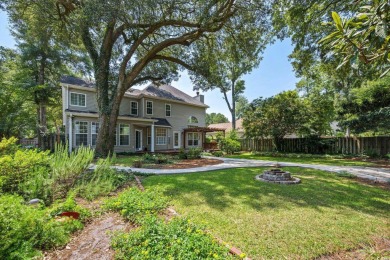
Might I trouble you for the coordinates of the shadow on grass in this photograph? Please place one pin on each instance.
(220, 189)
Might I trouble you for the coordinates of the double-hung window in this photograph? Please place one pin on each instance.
(149, 107)
(161, 136)
(81, 133)
(124, 134)
(193, 139)
(134, 108)
(77, 99)
(94, 132)
(168, 109)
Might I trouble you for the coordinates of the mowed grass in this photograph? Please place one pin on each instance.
(324, 214)
(301, 158)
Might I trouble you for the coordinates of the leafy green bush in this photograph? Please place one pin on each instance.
(67, 168)
(102, 180)
(230, 143)
(194, 153)
(217, 153)
(148, 158)
(178, 239)
(25, 229)
(182, 154)
(134, 204)
(137, 164)
(8, 146)
(69, 205)
(25, 172)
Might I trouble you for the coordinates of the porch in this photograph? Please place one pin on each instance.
(202, 131)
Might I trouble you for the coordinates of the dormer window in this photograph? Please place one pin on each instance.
(134, 108)
(192, 120)
(77, 99)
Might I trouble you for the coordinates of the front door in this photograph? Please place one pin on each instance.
(138, 140)
(176, 139)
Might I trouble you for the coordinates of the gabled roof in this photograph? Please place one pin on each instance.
(169, 92)
(163, 91)
(228, 126)
(77, 81)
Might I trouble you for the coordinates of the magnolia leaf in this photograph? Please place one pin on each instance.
(380, 30)
(337, 21)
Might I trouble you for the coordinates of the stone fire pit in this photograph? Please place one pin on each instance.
(277, 175)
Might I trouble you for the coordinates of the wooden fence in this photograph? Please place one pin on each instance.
(379, 145)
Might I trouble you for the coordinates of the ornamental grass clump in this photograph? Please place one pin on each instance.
(135, 205)
(177, 239)
(67, 168)
(102, 180)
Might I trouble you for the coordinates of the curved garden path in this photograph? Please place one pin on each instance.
(370, 173)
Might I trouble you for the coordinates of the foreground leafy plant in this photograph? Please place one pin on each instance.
(177, 239)
(25, 229)
(135, 205)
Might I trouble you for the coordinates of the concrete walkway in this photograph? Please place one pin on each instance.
(375, 174)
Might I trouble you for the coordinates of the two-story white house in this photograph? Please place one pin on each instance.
(153, 119)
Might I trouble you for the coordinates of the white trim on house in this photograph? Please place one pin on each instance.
(96, 127)
(85, 99)
(86, 114)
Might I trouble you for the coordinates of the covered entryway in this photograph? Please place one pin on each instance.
(199, 132)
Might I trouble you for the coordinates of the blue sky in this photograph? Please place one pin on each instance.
(274, 75)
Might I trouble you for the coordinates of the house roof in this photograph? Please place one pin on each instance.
(170, 92)
(76, 81)
(228, 126)
(163, 91)
(161, 122)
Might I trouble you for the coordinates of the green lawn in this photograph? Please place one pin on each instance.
(301, 158)
(324, 214)
(127, 160)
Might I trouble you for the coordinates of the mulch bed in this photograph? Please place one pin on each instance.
(185, 164)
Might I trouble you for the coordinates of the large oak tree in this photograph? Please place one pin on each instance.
(132, 42)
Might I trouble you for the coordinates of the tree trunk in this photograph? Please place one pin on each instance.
(41, 97)
(233, 111)
(106, 139)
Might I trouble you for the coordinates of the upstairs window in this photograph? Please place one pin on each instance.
(149, 107)
(168, 110)
(94, 132)
(81, 133)
(192, 120)
(134, 108)
(77, 99)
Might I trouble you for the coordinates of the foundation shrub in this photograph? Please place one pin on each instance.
(194, 153)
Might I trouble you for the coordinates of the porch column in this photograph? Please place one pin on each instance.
(70, 129)
(152, 139)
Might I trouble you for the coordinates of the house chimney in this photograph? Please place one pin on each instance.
(198, 96)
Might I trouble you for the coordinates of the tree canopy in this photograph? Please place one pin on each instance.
(131, 43)
(216, 118)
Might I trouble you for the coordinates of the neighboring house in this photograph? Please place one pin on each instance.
(228, 127)
(151, 119)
